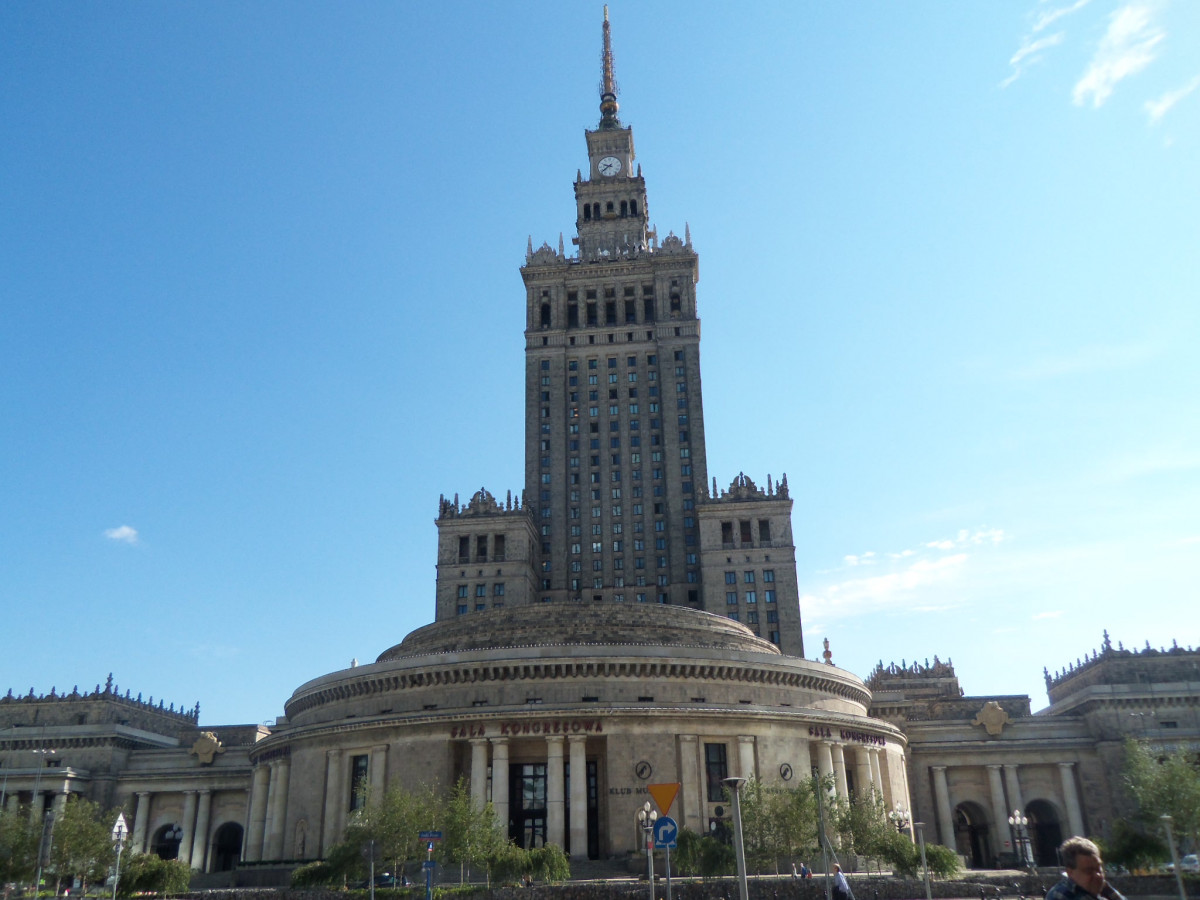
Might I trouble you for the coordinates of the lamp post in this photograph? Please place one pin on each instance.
(646, 817)
(920, 826)
(1166, 820)
(900, 818)
(120, 832)
(45, 821)
(739, 846)
(1019, 824)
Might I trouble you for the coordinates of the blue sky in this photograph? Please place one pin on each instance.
(261, 306)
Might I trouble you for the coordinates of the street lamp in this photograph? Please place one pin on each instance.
(1019, 824)
(41, 753)
(900, 817)
(920, 826)
(735, 788)
(120, 831)
(1166, 820)
(173, 835)
(646, 817)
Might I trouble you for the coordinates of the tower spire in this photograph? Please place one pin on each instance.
(608, 83)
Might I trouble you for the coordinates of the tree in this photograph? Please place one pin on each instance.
(81, 845)
(863, 825)
(18, 848)
(1169, 785)
(470, 834)
(1133, 847)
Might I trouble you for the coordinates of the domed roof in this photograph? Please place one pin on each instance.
(609, 624)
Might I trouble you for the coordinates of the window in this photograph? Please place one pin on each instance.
(461, 609)
(481, 590)
(748, 577)
(498, 589)
(716, 770)
(764, 530)
(462, 592)
(744, 525)
(769, 595)
(731, 577)
(751, 597)
(772, 616)
(731, 598)
(358, 782)
(769, 576)
(727, 538)
(752, 617)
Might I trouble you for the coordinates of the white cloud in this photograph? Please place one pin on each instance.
(1029, 53)
(123, 534)
(1128, 46)
(1053, 15)
(1086, 360)
(858, 595)
(1156, 109)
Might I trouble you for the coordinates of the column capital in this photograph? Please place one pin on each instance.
(1066, 765)
(1012, 767)
(690, 738)
(499, 741)
(192, 792)
(553, 739)
(143, 793)
(745, 738)
(477, 741)
(995, 766)
(577, 738)
(939, 768)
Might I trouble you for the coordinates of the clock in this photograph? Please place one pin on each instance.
(609, 166)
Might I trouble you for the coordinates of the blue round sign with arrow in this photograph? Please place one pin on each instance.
(665, 833)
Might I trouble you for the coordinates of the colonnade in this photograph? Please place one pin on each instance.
(557, 801)
(1004, 787)
(267, 814)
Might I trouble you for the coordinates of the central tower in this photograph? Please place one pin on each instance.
(614, 428)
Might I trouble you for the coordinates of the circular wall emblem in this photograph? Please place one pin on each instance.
(643, 770)
(785, 772)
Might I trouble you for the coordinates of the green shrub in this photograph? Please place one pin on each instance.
(145, 873)
(313, 874)
(549, 864)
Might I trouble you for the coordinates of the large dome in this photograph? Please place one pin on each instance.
(580, 624)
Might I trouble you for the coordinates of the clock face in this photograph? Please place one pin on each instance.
(609, 166)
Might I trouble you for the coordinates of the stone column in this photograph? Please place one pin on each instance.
(37, 807)
(945, 814)
(862, 772)
(1074, 813)
(908, 804)
(555, 824)
(500, 782)
(276, 826)
(825, 763)
(1000, 815)
(200, 841)
(1013, 783)
(256, 826)
(12, 803)
(377, 770)
(188, 825)
(877, 773)
(577, 746)
(141, 819)
(479, 748)
(746, 756)
(331, 818)
(839, 770)
(691, 785)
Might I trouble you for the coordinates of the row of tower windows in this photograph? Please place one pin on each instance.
(481, 548)
(593, 210)
(745, 534)
(627, 312)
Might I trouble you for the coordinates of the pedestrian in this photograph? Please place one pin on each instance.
(841, 887)
(795, 874)
(1084, 877)
(805, 871)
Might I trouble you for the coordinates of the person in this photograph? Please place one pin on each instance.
(841, 887)
(805, 871)
(1084, 876)
(795, 874)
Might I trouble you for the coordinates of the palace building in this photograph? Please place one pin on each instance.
(626, 621)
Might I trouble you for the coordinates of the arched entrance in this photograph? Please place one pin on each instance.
(1045, 831)
(226, 847)
(166, 840)
(971, 835)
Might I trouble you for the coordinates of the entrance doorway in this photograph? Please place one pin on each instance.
(527, 804)
(971, 835)
(1045, 832)
(226, 848)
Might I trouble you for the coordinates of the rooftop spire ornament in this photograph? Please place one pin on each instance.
(608, 83)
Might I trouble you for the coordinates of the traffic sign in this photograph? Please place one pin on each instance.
(664, 795)
(665, 833)
(429, 835)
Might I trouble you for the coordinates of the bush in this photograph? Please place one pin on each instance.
(905, 858)
(313, 874)
(549, 863)
(716, 858)
(507, 864)
(145, 873)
